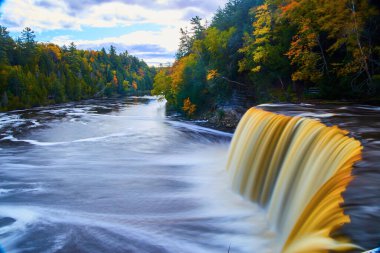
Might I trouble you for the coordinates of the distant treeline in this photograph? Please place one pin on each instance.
(34, 74)
(277, 51)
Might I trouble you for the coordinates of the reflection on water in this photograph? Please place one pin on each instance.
(119, 176)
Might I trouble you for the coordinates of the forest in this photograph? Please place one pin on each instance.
(276, 51)
(35, 74)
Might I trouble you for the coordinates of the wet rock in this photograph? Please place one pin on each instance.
(226, 118)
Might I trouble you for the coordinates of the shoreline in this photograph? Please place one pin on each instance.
(226, 118)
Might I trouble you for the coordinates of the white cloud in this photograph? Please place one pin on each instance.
(161, 39)
(22, 13)
(49, 15)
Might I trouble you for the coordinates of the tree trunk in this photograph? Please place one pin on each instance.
(364, 60)
(326, 67)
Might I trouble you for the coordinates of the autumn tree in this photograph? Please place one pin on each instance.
(329, 42)
(162, 85)
(264, 53)
(33, 74)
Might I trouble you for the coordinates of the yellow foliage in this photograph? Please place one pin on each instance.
(256, 69)
(178, 70)
(258, 46)
(212, 74)
(125, 84)
(55, 51)
(188, 107)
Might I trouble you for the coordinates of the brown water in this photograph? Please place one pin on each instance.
(296, 168)
(362, 198)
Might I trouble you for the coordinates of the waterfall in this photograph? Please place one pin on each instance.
(296, 168)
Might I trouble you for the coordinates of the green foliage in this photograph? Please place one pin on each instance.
(204, 49)
(264, 52)
(34, 74)
(162, 85)
(278, 50)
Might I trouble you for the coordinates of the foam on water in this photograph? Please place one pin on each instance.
(12, 233)
(35, 123)
(40, 143)
(10, 120)
(316, 115)
(4, 191)
(368, 107)
(138, 228)
(274, 105)
(197, 128)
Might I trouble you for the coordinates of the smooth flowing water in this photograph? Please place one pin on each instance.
(297, 168)
(362, 197)
(121, 176)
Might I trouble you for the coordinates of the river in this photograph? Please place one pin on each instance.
(119, 175)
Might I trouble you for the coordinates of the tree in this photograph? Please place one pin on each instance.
(188, 107)
(329, 42)
(28, 47)
(162, 85)
(197, 28)
(27, 38)
(264, 52)
(33, 74)
(306, 51)
(6, 46)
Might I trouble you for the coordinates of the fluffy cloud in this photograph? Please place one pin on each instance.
(74, 14)
(52, 15)
(151, 46)
(157, 5)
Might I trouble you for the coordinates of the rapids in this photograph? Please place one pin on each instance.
(119, 175)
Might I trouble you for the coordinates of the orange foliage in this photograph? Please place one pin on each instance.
(290, 6)
(134, 85)
(94, 53)
(212, 74)
(114, 80)
(188, 107)
(177, 73)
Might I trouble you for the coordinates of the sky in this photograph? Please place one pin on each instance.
(147, 29)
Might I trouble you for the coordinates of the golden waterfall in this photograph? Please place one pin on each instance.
(296, 168)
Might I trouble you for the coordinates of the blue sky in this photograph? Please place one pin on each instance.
(147, 29)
